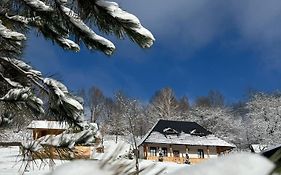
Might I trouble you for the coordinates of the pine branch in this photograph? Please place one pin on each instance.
(9, 34)
(110, 18)
(38, 5)
(90, 38)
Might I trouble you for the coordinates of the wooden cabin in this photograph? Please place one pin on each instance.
(273, 153)
(257, 148)
(181, 142)
(42, 128)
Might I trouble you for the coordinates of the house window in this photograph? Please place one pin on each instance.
(153, 151)
(165, 152)
(200, 153)
(176, 153)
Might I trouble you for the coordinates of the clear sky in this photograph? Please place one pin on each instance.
(225, 45)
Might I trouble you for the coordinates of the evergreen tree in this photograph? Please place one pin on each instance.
(65, 22)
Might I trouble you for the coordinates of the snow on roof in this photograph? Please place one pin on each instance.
(271, 150)
(170, 131)
(190, 133)
(44, 124)
(187, 139)
(257, 148)
(181, 126)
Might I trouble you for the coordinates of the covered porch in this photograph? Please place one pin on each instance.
(182, 153)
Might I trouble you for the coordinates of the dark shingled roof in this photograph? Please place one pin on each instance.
(181, 126)
(271, 151)
(182, 133)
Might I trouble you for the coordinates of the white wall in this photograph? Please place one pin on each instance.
(192, 150)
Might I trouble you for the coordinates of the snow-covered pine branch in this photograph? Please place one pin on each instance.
(69, 44)
(91, 39)
(9, 34)
(38, 5)
(62, 103)
(129, 22)
(22, 19)
(66, 24)
(24, 95)
(62, 21)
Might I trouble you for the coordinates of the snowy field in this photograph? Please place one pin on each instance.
(10, 163)
(245, 164)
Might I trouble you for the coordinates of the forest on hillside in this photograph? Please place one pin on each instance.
(254, 120)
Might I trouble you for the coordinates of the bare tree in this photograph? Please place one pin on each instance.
(163, 105)
(132, 113)
(216, 98)
(202, 101)
(96, 103)
(115, 116)
(184, 106)
(213, 99)
(219, 121)
(264, 118)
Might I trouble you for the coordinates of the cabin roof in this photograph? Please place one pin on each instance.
(183, 133)
(257, 148)
(271, 151)
(180, 126)
(44, 124)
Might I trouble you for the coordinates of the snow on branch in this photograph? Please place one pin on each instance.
(69, 44)
(11, 82)
(25, 95)
(67, 139)
(9, 34)
(56, 86)
(91, 39)
(22, 67)
(61, 101)
(22, 19)
(38, 5)
(130, 22)
(16, 94)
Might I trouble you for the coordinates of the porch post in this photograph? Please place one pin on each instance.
(171, 151)
(186, 149)
(208, 151)
(145, 151)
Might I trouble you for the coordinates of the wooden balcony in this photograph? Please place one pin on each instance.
(79, 152)
(179, 160)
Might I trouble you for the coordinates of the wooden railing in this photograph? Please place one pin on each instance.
(177, 159)
(79, 152)
(197, 160)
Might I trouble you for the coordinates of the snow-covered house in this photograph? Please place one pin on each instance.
(257, 148)
(181, 142)
(42, 128)
(64, 145)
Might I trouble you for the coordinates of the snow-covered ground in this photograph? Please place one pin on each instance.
(245, 164)
(11, 164)
(123, 144)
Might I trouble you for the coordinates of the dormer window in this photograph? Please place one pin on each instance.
(170, 131)
(195, 132)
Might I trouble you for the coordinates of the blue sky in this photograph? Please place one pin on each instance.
(231, 46)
